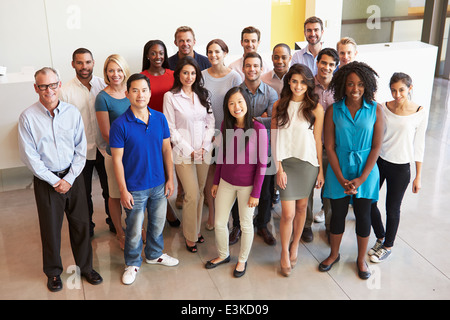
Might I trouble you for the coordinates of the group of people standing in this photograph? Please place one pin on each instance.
(234, 134)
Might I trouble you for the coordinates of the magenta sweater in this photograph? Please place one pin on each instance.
(244, 167)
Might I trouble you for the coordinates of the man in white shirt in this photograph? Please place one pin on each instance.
(313, 29)
(250, 40)
(281, 59)
(81, 92)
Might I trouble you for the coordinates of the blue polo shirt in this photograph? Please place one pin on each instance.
(142, 156)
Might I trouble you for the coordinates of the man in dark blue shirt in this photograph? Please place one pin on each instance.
(185, 41)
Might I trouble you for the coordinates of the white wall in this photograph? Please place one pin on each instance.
(46, 32)
(38, 33)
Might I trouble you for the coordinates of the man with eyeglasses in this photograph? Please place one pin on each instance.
(52, 144)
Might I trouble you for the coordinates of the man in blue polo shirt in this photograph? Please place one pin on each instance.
(142, 158)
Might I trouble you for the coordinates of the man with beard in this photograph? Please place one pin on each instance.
(81, 92)
(313, 28)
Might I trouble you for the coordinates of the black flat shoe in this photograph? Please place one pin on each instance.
(239, 274)
(364, 275)
(174, 223)
(93, 277)
(54, 284)
(325, 267)
(212, 265)
(191, 249)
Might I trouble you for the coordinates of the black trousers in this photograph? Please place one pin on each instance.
(264, 206)
(397, 178)
(51, 207)
(99, 165)
(361, 208)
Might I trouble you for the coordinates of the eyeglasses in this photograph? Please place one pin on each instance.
(44, 87)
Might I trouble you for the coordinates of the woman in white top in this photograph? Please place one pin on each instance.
(218, 80)
(297, 151)
(191, 123)
(403, 143)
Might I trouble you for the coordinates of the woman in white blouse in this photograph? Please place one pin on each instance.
(191, 123)
(403, 143)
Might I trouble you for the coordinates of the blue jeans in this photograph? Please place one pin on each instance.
(155, 202)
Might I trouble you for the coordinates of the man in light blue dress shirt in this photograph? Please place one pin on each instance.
(313, 29)
(52, 144)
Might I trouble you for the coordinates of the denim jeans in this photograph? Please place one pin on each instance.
(155, 202)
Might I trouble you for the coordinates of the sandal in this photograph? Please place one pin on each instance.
(200, 239)
(192, 249)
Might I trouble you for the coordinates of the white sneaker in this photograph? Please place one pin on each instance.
(130, 274)
(319, 217)
(378, 244)
(165, 260)
(381, 255)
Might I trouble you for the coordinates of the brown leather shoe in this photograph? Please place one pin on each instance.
(267, 236)
(307, 235)
(234, 235)
(179, 201)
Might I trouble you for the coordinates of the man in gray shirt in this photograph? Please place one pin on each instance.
(262, 98)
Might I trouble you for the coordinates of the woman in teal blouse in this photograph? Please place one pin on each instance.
(353, 136)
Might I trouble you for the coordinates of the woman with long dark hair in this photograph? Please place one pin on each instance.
(191, 123)
(155, 67)
(240, 170)
(297, 122)
(403, 143)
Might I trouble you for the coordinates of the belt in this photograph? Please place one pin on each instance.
(62, 173)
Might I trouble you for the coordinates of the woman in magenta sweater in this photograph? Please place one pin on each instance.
(240, 170)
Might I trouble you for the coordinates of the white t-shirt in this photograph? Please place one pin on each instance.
(404, 136)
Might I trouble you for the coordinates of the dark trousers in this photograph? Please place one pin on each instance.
(361, 208)
(51, 207)
(99, 165)
(397, 178)
(264, 206)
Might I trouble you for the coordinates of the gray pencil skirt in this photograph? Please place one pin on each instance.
(301, 178)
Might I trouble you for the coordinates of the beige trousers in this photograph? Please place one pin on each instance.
(225, 198)
(193, 178)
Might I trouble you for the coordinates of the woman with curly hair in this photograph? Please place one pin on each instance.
(353, 135)
(297, 122)
(191, 123)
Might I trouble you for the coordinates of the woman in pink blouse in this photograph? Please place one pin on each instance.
(240, 170)
(191, 123)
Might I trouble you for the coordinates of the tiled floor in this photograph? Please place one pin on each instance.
(419, 267)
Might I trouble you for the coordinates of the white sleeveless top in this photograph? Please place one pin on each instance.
(296, 139)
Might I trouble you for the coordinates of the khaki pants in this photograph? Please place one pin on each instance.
(226, 196)
(193, 178)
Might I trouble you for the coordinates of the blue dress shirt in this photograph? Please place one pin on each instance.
(50, 144)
